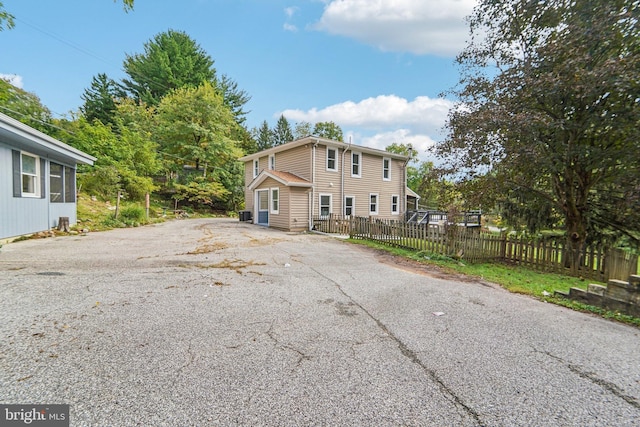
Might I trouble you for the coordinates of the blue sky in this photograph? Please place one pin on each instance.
(374, 67)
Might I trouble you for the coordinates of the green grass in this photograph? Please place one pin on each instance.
(97, 215)
(513, 278)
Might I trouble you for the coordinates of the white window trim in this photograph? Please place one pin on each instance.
(320, 196)
(256, 168)
(377, 203)
(359, 174)
(353, 206)
(388, 170)
(397, 205)
(272, 162)
(272, 199)
(335, 160)
(37, 176)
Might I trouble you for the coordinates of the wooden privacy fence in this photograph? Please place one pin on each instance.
(472, 245)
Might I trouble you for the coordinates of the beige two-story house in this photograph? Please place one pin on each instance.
(287, 186)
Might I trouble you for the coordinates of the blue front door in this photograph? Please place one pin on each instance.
(263, 206)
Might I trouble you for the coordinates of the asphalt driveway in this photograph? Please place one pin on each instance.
(217, 322)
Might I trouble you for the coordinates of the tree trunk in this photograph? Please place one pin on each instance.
(576, 237)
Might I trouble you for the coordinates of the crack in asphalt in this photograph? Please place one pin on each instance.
(301, 355)
(412, 356)
(608, 386)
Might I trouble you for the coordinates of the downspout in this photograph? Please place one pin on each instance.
(404, 188)
(344, 152)
(313, 183)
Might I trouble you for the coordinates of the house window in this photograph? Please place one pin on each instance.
(355, 164)
(373, 204)
(256, 168)
(349, 206)
(62, 184)
(56, 183)
(272, 162)
(325, 204)
(386, 169)
(395, 205)
(331, 159)
(275, 200)
(30, 175)
(69, 185)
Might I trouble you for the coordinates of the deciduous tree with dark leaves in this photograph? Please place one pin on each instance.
(550, 108)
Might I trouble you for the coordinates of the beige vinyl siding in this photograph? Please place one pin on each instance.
(371, 182)
(296, 161)
(281, 219)
(328, 182)
(298, 208)
(248, 179)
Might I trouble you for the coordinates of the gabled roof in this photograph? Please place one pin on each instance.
(14, 132)
(285, 178)
(324, 141)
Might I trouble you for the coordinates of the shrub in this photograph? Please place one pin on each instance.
(133, 215)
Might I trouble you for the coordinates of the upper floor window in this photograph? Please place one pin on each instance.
(272, 162)
(331, 159)
(256, 168)
(386, 169)
(356, 159)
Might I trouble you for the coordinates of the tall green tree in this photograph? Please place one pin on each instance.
(549, 106)
(263, 136)
(170, 61)
(196, 132)
(25, 107)
(328, 130)
(100, 99)
(302, 129)
(234, 98)
(282, 133)
(194, 126)
(126, 158)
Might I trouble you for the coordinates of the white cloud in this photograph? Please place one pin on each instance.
(422, 143)
(290, 11)
(384, 111)
(416, 26)
(380, 121)
(14, 79)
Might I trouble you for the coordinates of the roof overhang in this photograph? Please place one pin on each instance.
(281, 178)
(412, 193)
(315, 140)
(18, 134)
